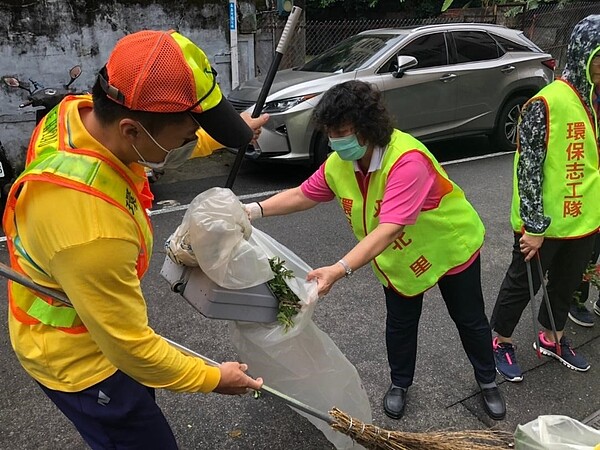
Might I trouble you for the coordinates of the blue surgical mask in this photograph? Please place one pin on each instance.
(348, 148)
(174, 158)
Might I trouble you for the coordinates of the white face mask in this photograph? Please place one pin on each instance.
(175, 157)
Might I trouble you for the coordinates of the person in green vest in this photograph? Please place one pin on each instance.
(76, 220)
(413, 225)
(554, 214)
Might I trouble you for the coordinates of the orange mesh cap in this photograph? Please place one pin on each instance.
(165, 72)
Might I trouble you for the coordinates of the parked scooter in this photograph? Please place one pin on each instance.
(44, 99)
(7, 177)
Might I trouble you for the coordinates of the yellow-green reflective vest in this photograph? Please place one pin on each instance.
(441, 239)
(88, 171)
(571, 184)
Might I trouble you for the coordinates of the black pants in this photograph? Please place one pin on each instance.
(564, 260)
(584, 287)
(116, 414)
(463, 297)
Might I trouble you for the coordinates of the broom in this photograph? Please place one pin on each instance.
(374, 437)
(369, 436)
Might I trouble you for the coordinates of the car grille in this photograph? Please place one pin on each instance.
(240, 105)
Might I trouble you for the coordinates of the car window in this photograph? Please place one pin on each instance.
(430, 51)
(351, 53)
(510, 46)
(475, 46)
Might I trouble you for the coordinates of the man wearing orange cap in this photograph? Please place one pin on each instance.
(76, 221)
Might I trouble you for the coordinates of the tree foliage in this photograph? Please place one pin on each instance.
(529, 4)
(336, 9)
(417, 8)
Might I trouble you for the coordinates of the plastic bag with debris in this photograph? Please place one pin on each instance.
(214, 235)
(302, 361)
(554, 432)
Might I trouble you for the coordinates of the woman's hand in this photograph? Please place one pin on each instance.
(326, 277)
(529, 245)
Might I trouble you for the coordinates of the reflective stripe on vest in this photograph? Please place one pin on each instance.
(441, 239)
(85, 171)
(571, 183)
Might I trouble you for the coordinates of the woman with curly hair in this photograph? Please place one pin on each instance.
(413, 224)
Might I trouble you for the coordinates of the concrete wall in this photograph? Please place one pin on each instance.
(43, 40)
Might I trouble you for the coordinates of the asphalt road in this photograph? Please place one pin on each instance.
(444, 394)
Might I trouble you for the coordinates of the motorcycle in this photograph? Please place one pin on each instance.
(7, 176)
(42, 98)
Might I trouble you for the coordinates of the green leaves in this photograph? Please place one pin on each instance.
(289, 303)
(591, 276)
(528, 4)
(447, 4)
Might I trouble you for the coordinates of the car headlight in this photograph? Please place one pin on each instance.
(284, 104)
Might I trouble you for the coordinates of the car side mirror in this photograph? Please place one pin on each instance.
(404, 63)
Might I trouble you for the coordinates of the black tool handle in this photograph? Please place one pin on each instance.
(290, 25)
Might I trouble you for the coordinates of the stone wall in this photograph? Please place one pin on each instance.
(43, 40)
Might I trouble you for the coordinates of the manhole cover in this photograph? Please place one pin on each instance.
(593, 420)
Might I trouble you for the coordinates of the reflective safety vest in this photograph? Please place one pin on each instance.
(442, 238)
(571, 186)
(53, 160)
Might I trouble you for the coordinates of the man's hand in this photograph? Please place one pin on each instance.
(530, 245)
(255, 124)
(234, 380)
(326, 277)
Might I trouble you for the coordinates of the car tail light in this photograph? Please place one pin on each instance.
(550, 63)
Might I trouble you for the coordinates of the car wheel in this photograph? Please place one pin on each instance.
(320, 150)
(505, 134)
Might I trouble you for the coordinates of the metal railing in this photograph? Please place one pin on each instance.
(549, 26)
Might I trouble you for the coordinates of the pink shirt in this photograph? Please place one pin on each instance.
(412, 186)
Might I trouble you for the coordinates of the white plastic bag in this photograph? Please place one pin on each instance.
(303, 363)
(213, 235)
(554, 432)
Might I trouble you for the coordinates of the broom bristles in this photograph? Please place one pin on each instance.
(374, 437)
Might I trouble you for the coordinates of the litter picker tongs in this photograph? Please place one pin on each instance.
(547, 302)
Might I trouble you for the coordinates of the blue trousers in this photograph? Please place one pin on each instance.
(464, 300)
(118, 413)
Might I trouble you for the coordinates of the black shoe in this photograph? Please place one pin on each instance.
(394, 402)
(493, 402)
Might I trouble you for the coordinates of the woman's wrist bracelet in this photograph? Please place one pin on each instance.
(346, 267)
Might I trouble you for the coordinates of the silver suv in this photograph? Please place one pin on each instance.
(438, 81)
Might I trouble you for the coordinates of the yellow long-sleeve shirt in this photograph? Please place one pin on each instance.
(89, 250)
(206, 145)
